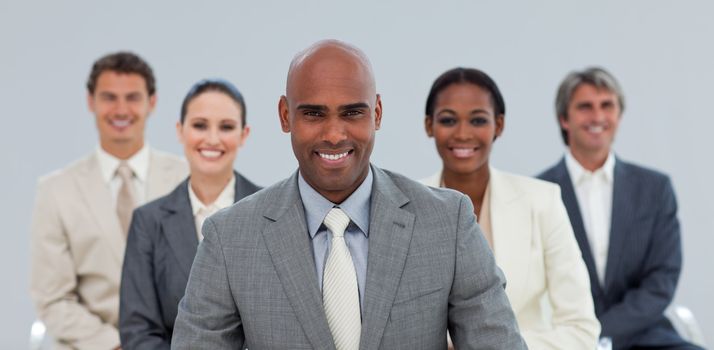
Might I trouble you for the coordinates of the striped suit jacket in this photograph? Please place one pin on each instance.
(644, 257)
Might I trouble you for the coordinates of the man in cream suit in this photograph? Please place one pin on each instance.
(342, 254)
(82, 211)
(624, 217)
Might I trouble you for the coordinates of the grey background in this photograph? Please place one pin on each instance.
(661, 51)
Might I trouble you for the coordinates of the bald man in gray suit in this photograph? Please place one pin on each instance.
(262, 276)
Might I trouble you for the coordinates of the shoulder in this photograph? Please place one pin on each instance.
(642, 173)
(423, 197)
(250, 209)
(529, 185)
(554, 173)
(162, 158)
(61, 178)
(246, 184)
(542, 197)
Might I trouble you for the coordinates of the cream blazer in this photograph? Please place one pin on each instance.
(77, 250)
(547, 281)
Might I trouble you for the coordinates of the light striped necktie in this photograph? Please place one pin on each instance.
(340, 295)
(126, 200)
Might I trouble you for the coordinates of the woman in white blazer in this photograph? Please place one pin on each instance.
(523, 218)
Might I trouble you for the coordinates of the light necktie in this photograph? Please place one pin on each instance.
(126, 201)
(340, 295)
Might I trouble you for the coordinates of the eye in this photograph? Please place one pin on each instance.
(353, 113)
(134, 98)
(312, 113)
(446, 121)
(228, 127)
(478, 121)
(199, 125)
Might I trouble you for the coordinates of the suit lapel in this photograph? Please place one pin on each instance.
(621, 214)
(576, 220)
(99, 202)
(179, 226)
(289, 246)
(390, 233)
(511, 223)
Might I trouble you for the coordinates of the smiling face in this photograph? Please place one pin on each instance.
(121, 104)
(464, 127)
(592, 120)
(211, 134)
(331, 111)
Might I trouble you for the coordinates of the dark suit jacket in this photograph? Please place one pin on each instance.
(160, 249)
(644, 257)
(254, 283)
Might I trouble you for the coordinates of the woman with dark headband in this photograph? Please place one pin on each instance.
(165, 233)
(523, 219)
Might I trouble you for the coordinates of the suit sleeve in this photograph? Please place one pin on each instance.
(641, 307)
(480, 316)
(574, 325)
(141, 325)
(208, 317)
(53, 281)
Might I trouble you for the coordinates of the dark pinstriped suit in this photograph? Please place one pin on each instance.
(644, 258)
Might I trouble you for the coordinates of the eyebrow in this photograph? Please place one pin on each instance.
(358, 105)
(477, 110)
(321, 108)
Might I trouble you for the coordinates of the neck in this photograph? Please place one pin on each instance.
(123, 150)
(590, 160)
(471, 184)
(208, 187)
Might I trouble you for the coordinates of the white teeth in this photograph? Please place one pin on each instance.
(333, 156)
(463, 152)
(596, 128)
(120, 123)
(210, 154)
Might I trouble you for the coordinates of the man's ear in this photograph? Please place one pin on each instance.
(283, 114)
(152, 103)
(563, 121)
(378, 113)
(90, 102)
(429, 125)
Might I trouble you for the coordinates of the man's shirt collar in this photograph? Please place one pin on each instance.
(356, 206)
(139, 163)
(578, 174)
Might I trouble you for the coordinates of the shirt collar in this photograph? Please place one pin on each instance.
(139, 163)
(356, 206)
(225, 199)
(578, 173)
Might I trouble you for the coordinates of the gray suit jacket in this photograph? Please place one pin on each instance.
(159, 251)
(253, 282)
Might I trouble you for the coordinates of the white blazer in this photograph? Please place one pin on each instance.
(78, 249)
(547, 281)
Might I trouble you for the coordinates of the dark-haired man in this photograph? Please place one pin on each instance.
(82, 212)
(624, 217)
(343, 255)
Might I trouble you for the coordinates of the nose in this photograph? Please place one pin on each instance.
(213, 136)
(462, 132)
(122, 108)
(334, 131)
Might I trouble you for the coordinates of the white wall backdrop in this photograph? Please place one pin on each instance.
(661, 51)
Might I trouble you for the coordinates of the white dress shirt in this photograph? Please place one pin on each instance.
(593, 190)
(139, 164)
(202, 211)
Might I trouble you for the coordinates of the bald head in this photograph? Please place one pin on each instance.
(331, 110)
(330, 59)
